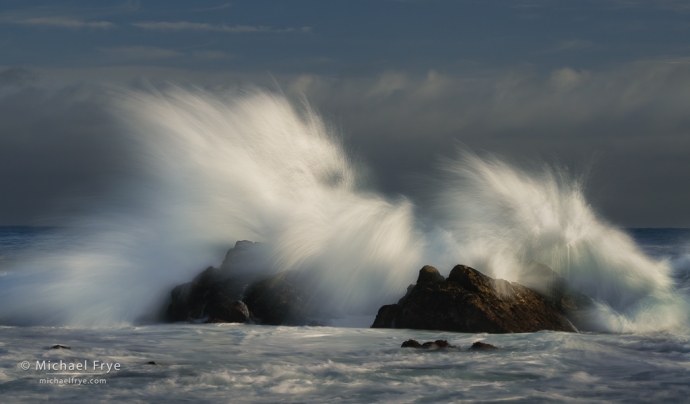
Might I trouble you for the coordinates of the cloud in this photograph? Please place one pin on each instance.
(129, 53)
(388, 83)
(633, 117)
(201, 26)
(220, 7)
(211, 55)
(62, 22)
(570, 45)
(151, 53)
(16, 76)
(58, 145)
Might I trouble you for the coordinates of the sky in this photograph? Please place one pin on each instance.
(602, 87)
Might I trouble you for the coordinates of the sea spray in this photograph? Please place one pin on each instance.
(210, 169)
(504, 218)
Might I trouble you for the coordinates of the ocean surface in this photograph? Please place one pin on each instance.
(232, 363)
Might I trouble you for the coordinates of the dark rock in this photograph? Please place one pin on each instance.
(429, 274)
(469, 278)
(280, 299)
(215, 293)
(386, 316)
(438, 344)
(480, 346)
(208, 295)
(245, 287)
(246, 256)
(214, 321)
(152, 363)
(553, 288)
(411, 343)
(407, 293)
(469, 301)
(58, 346)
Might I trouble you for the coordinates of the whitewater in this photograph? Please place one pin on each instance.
(211, 169)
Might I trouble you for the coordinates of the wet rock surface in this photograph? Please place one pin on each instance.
(386, 316)
(438, 344)
(280, 299)
(241, 290)
(481, 346)
(245, 289)
(210, 294)
(554, 289)
(411, 343)
(469, 301)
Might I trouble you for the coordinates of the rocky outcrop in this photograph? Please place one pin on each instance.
(554, 289)
(280, 299)
(469, 301)
(429, 274)
(242, 289)
(210, 294)
(386, 316)
(216, 293)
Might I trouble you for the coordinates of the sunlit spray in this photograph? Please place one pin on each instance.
(211, 169)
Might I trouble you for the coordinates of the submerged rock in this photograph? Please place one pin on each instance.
(411, 343)
(480, 346)
(469, 301)
(58, 346)
(438, 344)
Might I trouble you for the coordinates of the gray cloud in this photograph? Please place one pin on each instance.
(16, 76)
(129, 53)
(570, 45)
(63, 22)
(627, 127)
(58, 151)
(200, 26)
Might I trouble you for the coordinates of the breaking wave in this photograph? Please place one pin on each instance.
(211, 169)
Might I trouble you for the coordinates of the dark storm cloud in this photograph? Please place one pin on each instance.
(197, 26)
(56, 146)
(628, 127)
(16, 76)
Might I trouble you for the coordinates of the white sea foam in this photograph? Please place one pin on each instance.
(249, 364)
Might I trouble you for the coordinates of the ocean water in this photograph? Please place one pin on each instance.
(210, 169)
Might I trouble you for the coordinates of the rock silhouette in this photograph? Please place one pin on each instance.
(242, 289)
(469, 301)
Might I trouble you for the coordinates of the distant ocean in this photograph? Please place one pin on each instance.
(232, 363)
